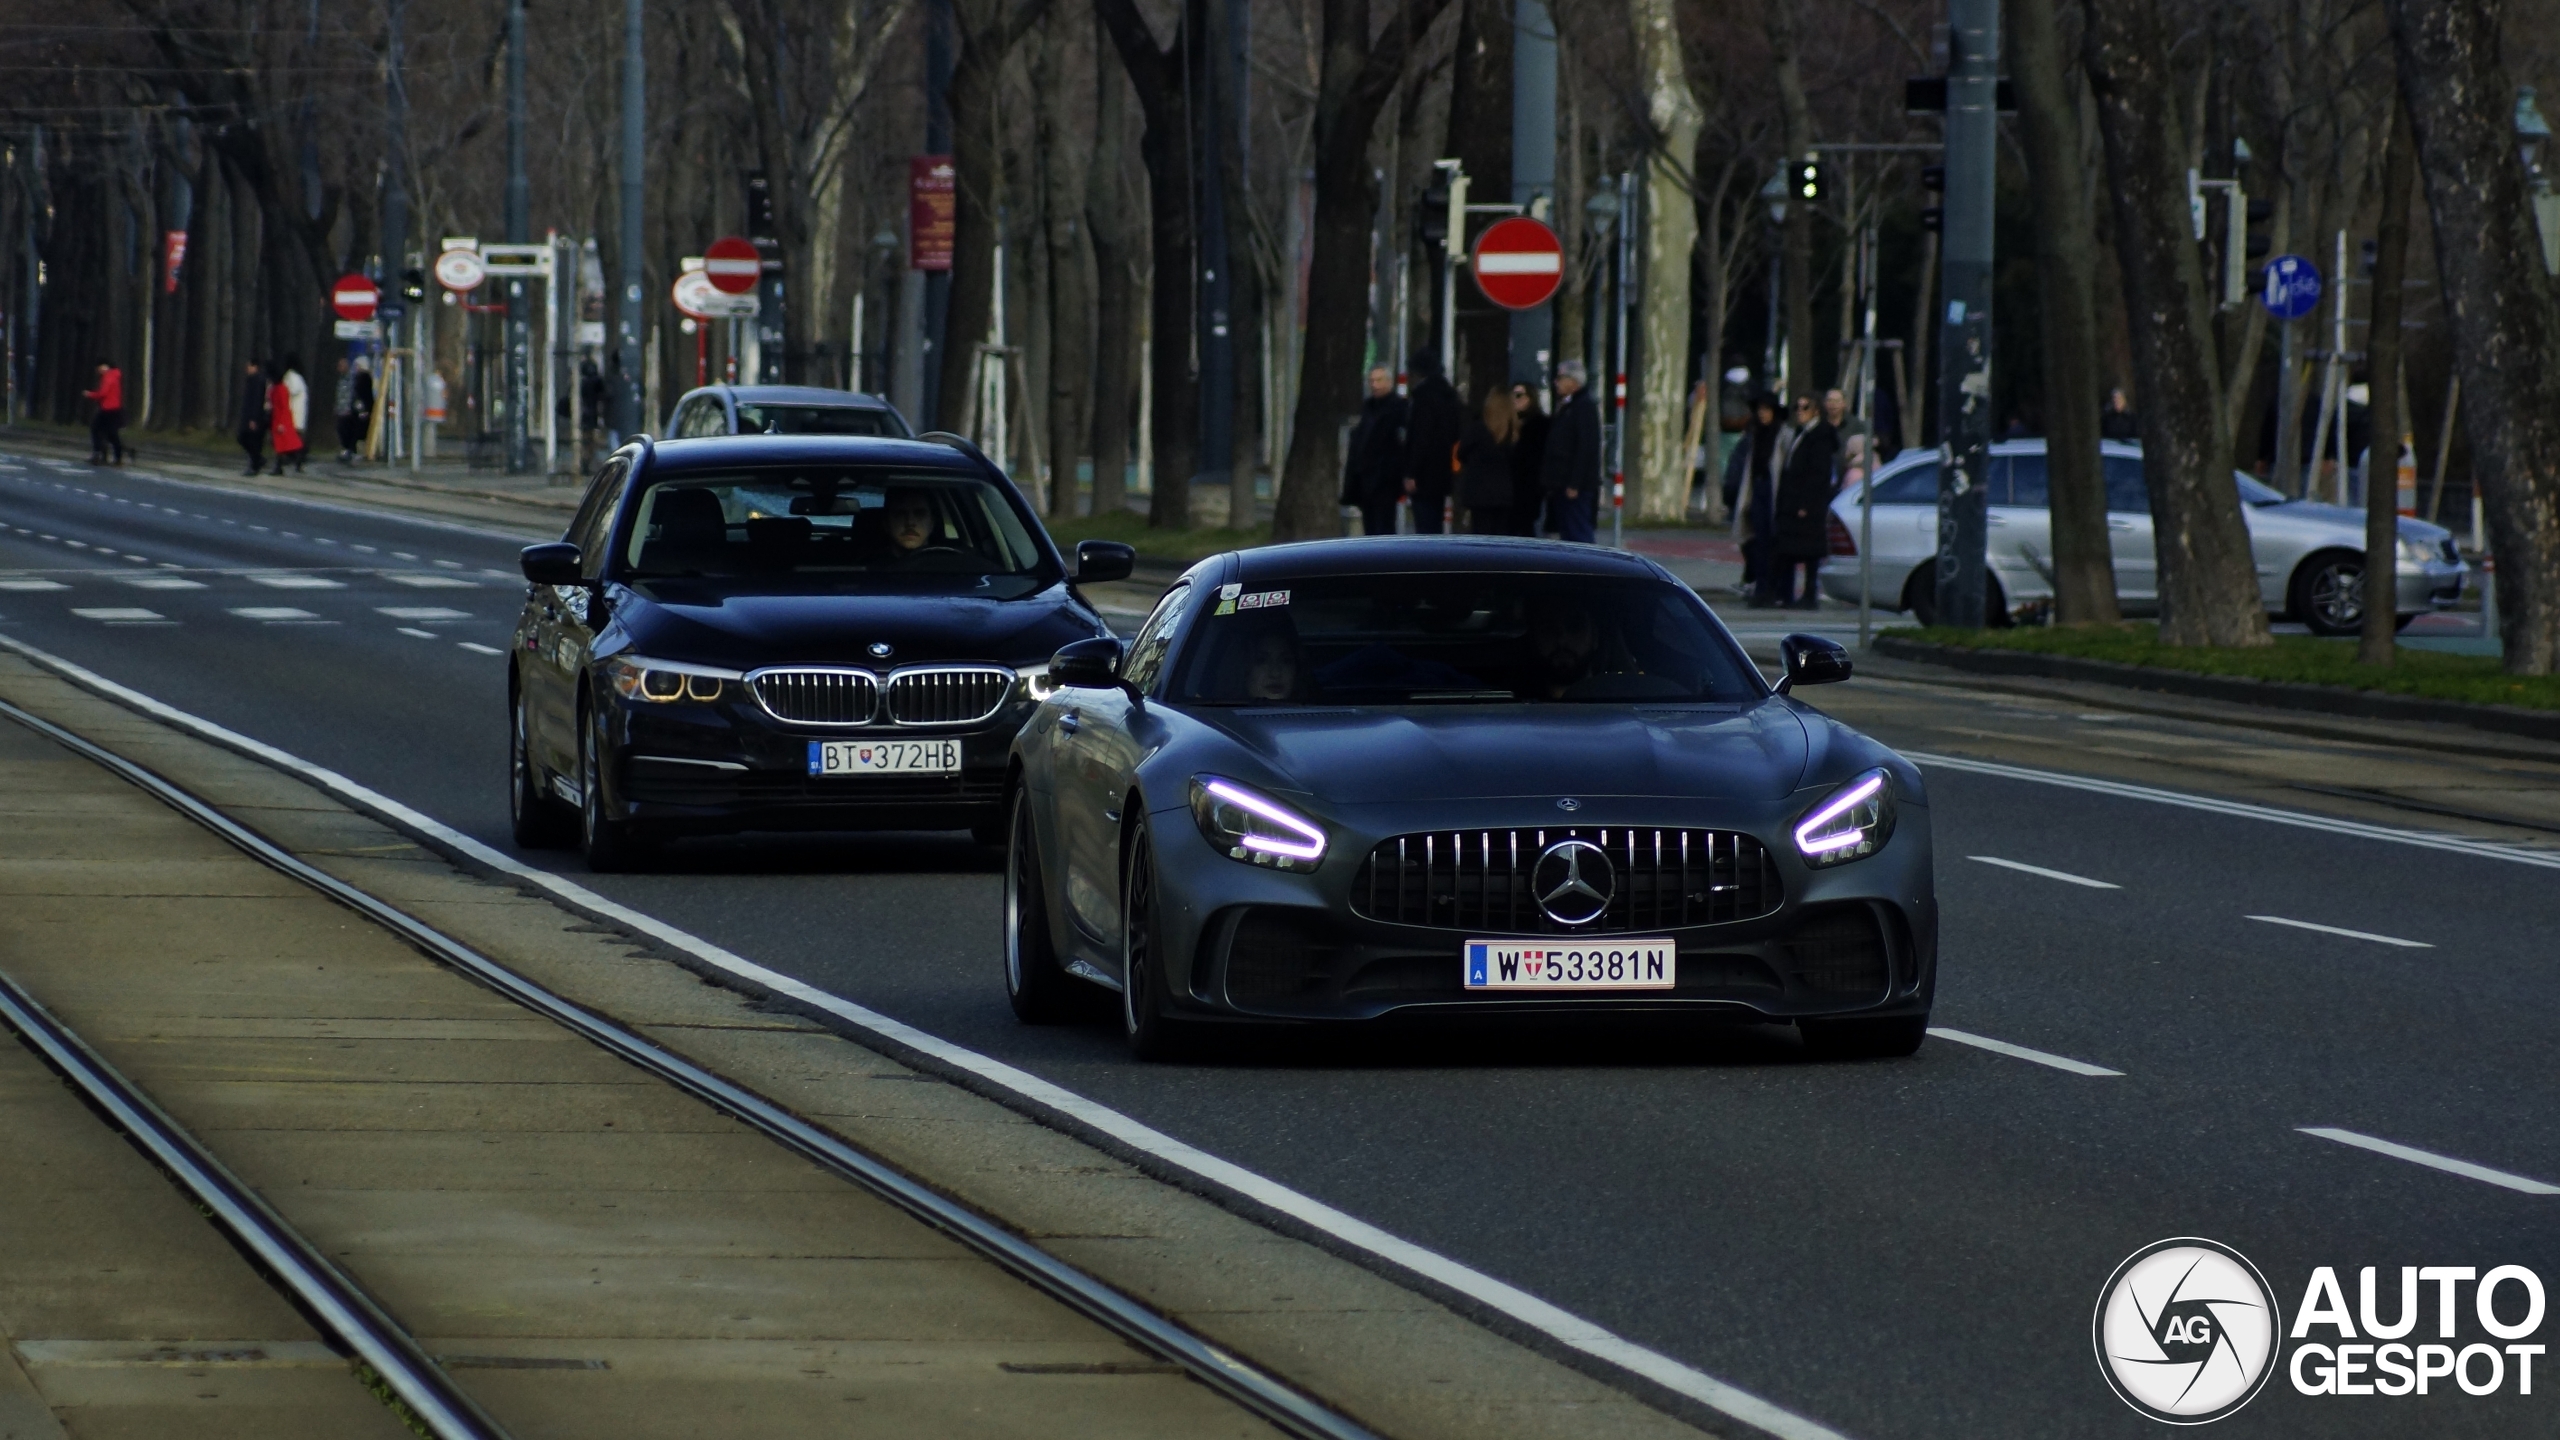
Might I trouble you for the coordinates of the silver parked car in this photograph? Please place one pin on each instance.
(2310, 556)
(782, 410)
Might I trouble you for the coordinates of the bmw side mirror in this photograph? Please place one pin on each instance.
(1087, 664)
(1811, 660)
(1100, 560)
(553, 564)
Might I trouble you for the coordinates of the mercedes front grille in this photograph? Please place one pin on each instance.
(817, 697)
(1479, 880)
(957, 695)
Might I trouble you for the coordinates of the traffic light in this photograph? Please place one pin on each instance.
(1933, 180)
(413, 284)
(1933, 177)
(1809, 180)
(1431, 212)
(1933, 217)
(2261, 213)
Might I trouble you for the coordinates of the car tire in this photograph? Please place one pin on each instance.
(610, 846)
(2321, 589)
(1864, 1039)
(1039, 989)
(539, 821)
(1920, 597)
(1151, 1033)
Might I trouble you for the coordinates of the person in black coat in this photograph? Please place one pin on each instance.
(1751, 486)
(1528, 458)
(1431, 442)
(1373, 473)
(253, 418)
(1571, 470)
(1484, 465)
(1803, 534)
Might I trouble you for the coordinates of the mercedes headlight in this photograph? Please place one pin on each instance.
(1254, 828)
(664, 682)
(1851, 823)
(1036, 683)
(2417, 554)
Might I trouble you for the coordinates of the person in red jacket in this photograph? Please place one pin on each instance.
(284, 434)
(105, 427)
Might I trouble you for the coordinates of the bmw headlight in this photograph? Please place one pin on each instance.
(1254, 828)
(1036, 684)
(1851, 823)
(664, 682)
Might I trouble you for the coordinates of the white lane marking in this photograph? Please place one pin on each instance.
(1552, 1320)
(2064, 876)
(2457, 844)
(161, 582)
(421, 612)
(137, 559)
(448, 564)
(272, 613)
(421, 634)
(13, 583)
(2431, 1160)
(428, 581)
(362, 549)
(289, 581)
(479, 649)
(2350, 934)
(118, 614)
(322, 540)
(402, 555)
(2021, 1052)
(76, 545)
(260, 528)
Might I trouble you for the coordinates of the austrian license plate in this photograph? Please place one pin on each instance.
(884, 757)
(1544, 965)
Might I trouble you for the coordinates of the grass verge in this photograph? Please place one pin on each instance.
(2293, 659)
(1130, 528)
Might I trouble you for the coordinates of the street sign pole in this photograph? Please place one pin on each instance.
(2291, 291)
(627, 397)
(1964, 332)
(1618, 379)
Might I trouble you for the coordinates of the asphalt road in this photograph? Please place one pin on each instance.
(1893, 1249)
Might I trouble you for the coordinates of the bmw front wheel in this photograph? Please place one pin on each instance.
(1040, 991)
(532, 813)
(609, 844)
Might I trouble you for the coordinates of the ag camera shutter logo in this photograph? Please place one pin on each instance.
(2186, 1330)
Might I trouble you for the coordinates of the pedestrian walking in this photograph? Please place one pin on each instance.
(364, 405)
(1484, 464)
(284, 426)
(2117, 421)
(253, 417)
(105, 427)
(1373, 473)
(591, 405)
(1570, 470)
(1835, 413)
(1432, 429)
(1528, 460)
(300, 390)
(343, 407)
(1751, 488)
(1806, 485)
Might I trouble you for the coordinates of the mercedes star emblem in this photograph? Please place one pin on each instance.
(1573, 881)
(1568, 804)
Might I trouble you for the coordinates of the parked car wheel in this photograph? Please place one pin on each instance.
(1920, 597)
(2327, 593)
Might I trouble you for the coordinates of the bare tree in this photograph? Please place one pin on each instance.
(1660, 462)
(1156, 73)
(989, 29)
(2382, 412)
(1115, 283)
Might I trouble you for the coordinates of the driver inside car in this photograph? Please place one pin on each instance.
(1566, 649)
(913, 523)
(1271, 670)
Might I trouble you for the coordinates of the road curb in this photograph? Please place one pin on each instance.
(2271, 694)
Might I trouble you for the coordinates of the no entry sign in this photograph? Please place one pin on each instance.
(354, 297)
(733, 265)
(1518, 263)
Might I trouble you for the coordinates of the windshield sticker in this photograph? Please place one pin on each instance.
(1260, 600)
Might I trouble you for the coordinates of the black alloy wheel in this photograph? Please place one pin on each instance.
(1864, 1039)
(535, 817)
(1152, 1035)
(1041, 992)
(611, 846)
(2328, 593)
(1920, 597)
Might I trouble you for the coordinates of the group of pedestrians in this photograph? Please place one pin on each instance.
(275, 409)
(1510, 469)
(1779, 482)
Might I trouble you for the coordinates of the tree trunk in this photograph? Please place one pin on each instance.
(1115, 310)
(2506, 335)
(1157, 75)
(1660, 465)
(2084, 576)
(2383, 412)
(1917, 349)
(1069, 362)
(1480, 137)
(977, 161)
(1354, 80)
(1796, 266)
(2208, 583)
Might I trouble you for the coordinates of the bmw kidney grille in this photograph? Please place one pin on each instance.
(957, 695)
(817, 697)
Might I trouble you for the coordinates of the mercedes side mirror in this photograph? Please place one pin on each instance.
(1100, 560)
(1811, 660)
(554, 564)
(1087, 664)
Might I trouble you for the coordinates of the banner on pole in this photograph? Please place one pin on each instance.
(175, 245)
(932, 211)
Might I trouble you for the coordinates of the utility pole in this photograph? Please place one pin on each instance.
(1214, 291)
(1964, 332)
(627, 395)
(936, 311)
(519, 230)
(395, 230)
(1533, 169)
(1618, 370)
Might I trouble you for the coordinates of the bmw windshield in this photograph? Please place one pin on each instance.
(863, 527)
(1460, 637)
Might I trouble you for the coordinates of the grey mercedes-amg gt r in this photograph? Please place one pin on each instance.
(1341, 781)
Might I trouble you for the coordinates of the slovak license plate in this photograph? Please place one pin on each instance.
(1546, 965)
(884, 757)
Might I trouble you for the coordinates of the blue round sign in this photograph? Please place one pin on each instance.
(2293, 287)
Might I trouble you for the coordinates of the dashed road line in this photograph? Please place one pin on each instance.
(29, 585)
(161, 582)
(276, 614)
(120, 615)
(2064, 876)
(421, 634)
(2431, 1160)
(478, 649)
(287, 580)
(421, 612)
(2349, 934)
(422, 580)
(2021, 1052)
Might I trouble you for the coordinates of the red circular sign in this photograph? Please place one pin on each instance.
(354, 297)
(733, 265)
(1519, 263)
